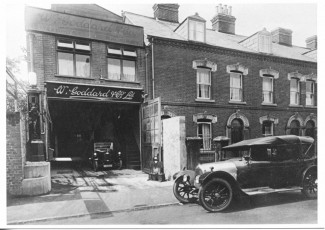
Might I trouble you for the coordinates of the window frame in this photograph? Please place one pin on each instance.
(74, 51)
(198, 84)
(121, 57)
(297, 92)
(272, 89)
(241, 91)
(195, 31)
(312, 93)
(271, 128)
(210, 135)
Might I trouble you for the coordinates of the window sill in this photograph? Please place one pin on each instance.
(297, 106)
(269, 104)
(110, 80)
(76, 77)
(311, 106)
(204, 100)
(237, 102)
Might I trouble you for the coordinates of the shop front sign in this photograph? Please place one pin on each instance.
(73, 91)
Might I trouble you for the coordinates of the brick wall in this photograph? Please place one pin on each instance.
(16, 153)
(45, 64)
(175, 83)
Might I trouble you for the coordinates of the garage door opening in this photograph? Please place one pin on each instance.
(76, 125)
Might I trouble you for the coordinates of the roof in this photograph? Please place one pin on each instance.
(159, 28)
(271, 141)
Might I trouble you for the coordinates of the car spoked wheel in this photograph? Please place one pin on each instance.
(118, 165)
(309, 184)
(216, 195)
(183, 190)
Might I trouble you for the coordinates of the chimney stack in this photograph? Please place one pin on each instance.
(223, 21)
(311, 42)
(282, 36)
(166, 12)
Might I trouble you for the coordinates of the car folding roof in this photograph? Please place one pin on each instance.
(270, 141)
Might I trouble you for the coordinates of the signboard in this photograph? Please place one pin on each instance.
(100, 93)
(65, 24)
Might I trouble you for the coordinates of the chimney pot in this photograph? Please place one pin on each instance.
(224, 22)
(311, 42)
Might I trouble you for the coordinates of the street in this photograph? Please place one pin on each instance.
(281, 208)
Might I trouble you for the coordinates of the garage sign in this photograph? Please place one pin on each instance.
(89, 92)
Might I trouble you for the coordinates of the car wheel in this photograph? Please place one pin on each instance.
(309, 184)
(183, 190)
(95, 166)
(216, 195)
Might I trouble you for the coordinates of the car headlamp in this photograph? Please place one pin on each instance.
(197, 179)
(95, 154)
(185, 178)
(119, 153)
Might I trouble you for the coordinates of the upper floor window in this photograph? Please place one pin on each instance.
(236, 87)
(268, 90)
(73, 58)
(203, 81)
(294, 91)
(204, 132)
(121, 64)
(310, 91)
(196, 31)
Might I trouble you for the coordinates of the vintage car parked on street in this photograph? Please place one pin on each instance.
(255, 166)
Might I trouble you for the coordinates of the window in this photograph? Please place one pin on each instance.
(196, 31)
(203, 81)
(310, 90)
(267, 128)
(236, 87)
(295, 128)
(73, 58)
(294, 91)
(204, 131)
(268, 90)
(121, 64)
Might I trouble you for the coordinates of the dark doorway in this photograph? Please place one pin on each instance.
(295, 127)
(237, 130)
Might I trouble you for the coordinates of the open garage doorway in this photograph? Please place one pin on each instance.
(77, 125)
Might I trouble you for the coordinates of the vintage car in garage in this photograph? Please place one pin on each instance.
(255, 166)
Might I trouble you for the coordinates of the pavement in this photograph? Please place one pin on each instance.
(78, 191)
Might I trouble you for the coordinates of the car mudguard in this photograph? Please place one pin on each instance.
(311, 167)
(190, 173)
(220, 174)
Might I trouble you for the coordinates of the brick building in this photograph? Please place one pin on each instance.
(90, 73)
(227, 84)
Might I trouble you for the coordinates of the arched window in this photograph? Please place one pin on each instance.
(295, 127)
(310, 129)
(237, 130)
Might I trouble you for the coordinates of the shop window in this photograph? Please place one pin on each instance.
(73, 58)
(121, 64)
(294, 91)
(236, 87)
(268, 90)
(310, 91)
(203, 81)
(196, 30)
(204, 132)
(267, 128)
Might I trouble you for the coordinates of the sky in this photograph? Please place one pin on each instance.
(300, 17)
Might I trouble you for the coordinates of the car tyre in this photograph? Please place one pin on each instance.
(119, 164)
(183, 190)
(216, 195)
(309, 184)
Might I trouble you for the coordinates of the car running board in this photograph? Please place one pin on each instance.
(265, 190)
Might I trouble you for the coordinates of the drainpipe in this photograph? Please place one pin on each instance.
(153, 70)
(31, 55)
